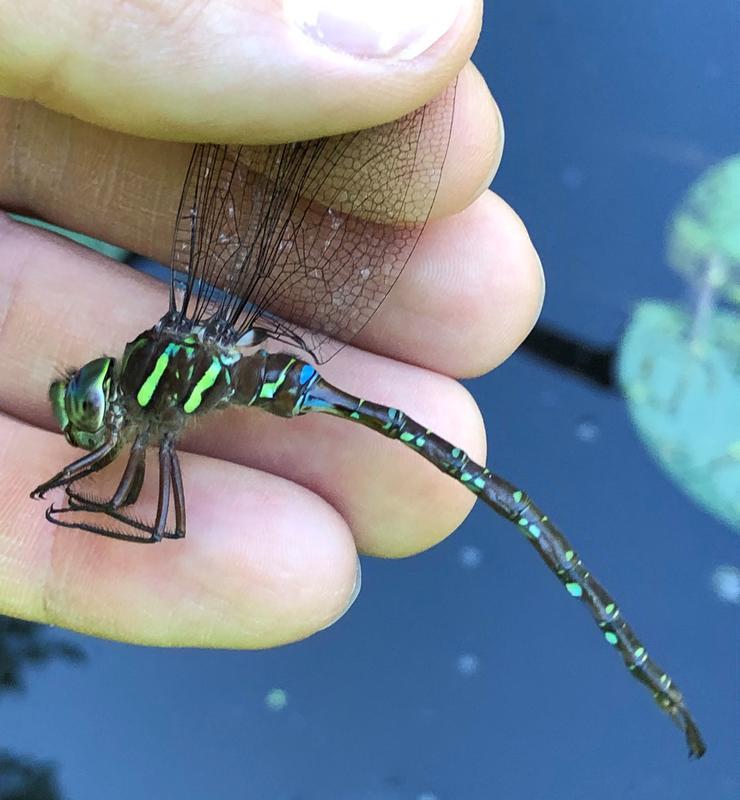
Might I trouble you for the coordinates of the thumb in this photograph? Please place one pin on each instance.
(243, 71)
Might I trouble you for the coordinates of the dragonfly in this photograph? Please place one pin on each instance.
(293, 246)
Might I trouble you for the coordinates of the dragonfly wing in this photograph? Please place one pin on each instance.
(308, 236)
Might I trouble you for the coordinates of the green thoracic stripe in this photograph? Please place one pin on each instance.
(205, 382)
(147, 389)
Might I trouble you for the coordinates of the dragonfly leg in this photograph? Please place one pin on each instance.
(127, 493)
(87, 465)
(165, 488)
(132, 479)
(178, 493)
(290, 387)
(129, 487)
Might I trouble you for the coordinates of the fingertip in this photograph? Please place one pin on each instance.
(476, 145)
(469, 297)
(271, 561)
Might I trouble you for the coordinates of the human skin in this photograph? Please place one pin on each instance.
(94, 123)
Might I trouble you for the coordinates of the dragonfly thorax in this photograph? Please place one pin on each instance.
(168, 375)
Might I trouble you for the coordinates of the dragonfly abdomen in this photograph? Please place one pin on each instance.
(287, 386)
(277, 382)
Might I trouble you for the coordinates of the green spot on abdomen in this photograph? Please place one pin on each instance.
(268, 388)
(574, 589)
(611, 637)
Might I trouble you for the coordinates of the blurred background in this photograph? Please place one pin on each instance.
(466, 673)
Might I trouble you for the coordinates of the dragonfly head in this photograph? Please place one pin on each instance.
(80, 403)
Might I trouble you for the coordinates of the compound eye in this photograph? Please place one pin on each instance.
(57, 395)
(86, 397)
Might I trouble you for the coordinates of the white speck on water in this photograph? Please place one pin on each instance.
(470, 556)
(427, 796)
(276, 699)
(587, 430)
(468, 664)
(726, 583)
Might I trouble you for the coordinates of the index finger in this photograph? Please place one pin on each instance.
(125, 190)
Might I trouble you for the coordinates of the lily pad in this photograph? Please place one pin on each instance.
(683, 393)
(704, 234)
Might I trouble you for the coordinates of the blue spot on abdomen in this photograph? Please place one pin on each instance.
(307, 372)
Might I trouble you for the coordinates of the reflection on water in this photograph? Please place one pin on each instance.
(24, 779)
(23, 644)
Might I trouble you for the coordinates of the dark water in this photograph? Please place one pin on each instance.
(467, 673)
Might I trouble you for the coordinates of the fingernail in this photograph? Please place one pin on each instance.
(355, 592)
(394, 29)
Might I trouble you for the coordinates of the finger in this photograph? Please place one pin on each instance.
(469, 296)
(254, 71)
(126, 190)
(338, 461)
(271, 562)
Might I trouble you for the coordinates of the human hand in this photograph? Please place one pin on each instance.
(276, 508)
